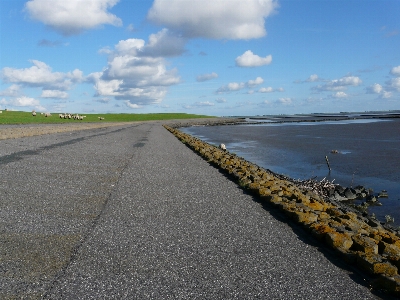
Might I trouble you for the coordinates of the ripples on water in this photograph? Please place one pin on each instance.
(369, 152)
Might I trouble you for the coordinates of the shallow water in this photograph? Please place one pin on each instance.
(368, 152)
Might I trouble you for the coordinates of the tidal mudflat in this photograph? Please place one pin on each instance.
(367, 152)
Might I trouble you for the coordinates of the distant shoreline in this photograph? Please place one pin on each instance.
(320, 117)
(250, 120)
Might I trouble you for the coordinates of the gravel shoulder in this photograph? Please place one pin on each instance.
(130, 212)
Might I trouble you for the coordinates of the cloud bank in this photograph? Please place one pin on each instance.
(339, 84)
(40, 75)
(137, 72)
(236, 86)
(73, 16)
(215, 19)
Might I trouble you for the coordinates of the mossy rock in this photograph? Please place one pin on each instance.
(373, 264)
(338, 240)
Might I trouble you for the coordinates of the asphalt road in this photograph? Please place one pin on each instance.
(131, 213)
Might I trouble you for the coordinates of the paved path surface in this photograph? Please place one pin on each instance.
(131, 213)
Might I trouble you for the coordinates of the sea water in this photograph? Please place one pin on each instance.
(368, 152)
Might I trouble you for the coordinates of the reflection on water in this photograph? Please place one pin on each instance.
(368, 152)
(337, 122)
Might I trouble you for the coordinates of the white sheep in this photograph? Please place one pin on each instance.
(34, 113)
(222, 147)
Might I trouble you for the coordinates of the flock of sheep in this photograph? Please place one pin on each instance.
(45, 114)
(64, 116)
(69, 116)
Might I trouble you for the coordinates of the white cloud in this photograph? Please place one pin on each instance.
(257, 81)
(349, 80)
(270, 90)
(105, 50)
(216, 19)
(220, 100)
(164, 43)
(54, 94)
(339, 84)
(386, 95)
(205, 77)
(312, 78)
(376, 88)
(395, 71)
(161, 44)
(266, 90)
(11, 91)
(236, 86)
(206, 103)
(339, 95)
(248, 59)
(135, 72)
(231, 87)
(73, 16)
(41, 75)
(129, 47)
(132, 105)
(198, 104)
(285, 101)
(394, 84)
(24, 101)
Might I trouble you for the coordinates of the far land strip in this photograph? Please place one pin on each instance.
(45, 251)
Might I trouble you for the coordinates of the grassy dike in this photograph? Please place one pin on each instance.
(40, 124)
(21, 117)
(358, 240)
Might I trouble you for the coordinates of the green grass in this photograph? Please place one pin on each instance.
(20, 117)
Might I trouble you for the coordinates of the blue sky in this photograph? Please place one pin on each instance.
(214, 57)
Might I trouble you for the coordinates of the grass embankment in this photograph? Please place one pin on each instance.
(20, 117)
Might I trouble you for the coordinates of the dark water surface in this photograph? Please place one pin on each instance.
(369, 152)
